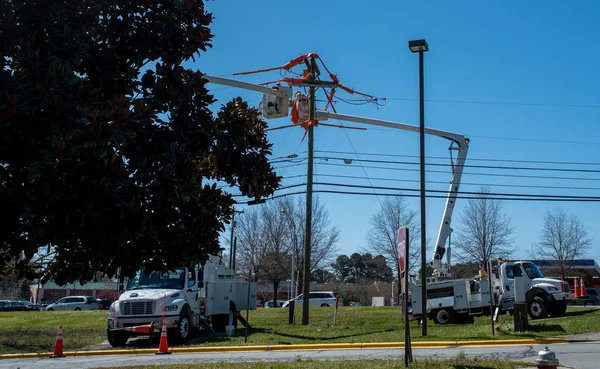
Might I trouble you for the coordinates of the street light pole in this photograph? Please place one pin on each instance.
(420, 46)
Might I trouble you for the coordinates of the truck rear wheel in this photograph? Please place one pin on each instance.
(537, 308)
(444, 316)
(219, 321)
(116, 338)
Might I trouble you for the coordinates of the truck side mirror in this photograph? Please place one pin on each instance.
(121, 287)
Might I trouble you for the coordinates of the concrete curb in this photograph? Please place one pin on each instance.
(320, 346)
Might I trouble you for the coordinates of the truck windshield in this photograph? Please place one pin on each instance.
(172, 279)
(532, 271)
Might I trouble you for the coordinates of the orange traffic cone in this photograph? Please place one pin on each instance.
(58, 346)
(576, 291)
(582, 287)
(163, 347)
(143, 329)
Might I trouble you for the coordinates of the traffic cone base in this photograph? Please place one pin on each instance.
(163, 346)
(58, 346)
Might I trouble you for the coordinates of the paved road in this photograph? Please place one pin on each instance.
(581, 355)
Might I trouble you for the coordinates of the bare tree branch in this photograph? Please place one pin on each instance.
(564, 238)
(394, 213)
(484, 231)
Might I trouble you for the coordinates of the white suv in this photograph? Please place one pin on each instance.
(320, 298)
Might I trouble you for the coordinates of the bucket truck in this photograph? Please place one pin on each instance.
(207, 295)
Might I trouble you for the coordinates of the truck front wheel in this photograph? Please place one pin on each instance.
(181, 333)
(538, 308)
(116, 338)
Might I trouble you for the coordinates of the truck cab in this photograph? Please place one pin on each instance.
(543, 295)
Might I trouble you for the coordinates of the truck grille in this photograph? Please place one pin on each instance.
(137, 308)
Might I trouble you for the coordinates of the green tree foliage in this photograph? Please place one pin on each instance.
(357, 267)
(322, 276)
(108, 149)
(465, 270)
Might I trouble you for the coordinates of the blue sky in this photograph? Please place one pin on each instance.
(519, 78)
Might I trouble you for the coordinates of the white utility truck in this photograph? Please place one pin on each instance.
(187, 298)
(459, 300)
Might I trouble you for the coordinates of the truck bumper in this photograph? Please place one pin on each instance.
(560, 296)
(123, 322)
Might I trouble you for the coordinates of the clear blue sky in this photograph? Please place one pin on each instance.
(519, 78)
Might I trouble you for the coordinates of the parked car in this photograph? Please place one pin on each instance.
(4, 305)
(104, 304)
(75, 303)
(269, 304)
(320, 298)
(591, 297)
(354, 303)
(18, 305)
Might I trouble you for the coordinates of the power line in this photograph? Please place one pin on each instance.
(469, 173)
(597, 198)
(443, 193)
(461, 184)
(464, 165)
(482, 102)
(470, 159)
(387, 194)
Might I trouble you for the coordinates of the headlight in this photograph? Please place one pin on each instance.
(111, 309)
(552, 288)
(171, 308)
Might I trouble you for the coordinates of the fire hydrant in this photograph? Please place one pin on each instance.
(546, 359)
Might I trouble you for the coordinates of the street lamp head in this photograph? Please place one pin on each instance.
(418, 46)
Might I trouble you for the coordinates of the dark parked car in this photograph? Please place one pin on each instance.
(104, 304)
(591, 297)
(18, 305)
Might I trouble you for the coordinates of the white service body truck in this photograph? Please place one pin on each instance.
(458, 300)
(186, 297)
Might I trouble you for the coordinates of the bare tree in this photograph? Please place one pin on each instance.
(324, 236)
(277, 228)
(564, 238)
(394, 213)
(484, 231)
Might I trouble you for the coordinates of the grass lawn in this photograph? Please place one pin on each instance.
(458, 363)
(36, 331)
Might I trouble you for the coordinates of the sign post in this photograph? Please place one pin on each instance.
(403, 245)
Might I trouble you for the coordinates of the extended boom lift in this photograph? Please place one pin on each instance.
(277, 100)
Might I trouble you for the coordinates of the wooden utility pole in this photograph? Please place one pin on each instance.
(309, 184)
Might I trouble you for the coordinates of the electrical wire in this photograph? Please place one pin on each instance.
(596, 198)
(395, 194)
(468, 173)
(481, 102)
(470, 159)
(462, 183)
(463, 165)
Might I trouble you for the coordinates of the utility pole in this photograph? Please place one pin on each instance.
(309, 185)
(231, 248)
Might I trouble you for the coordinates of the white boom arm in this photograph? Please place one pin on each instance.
(457, 167)
(282, 92)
